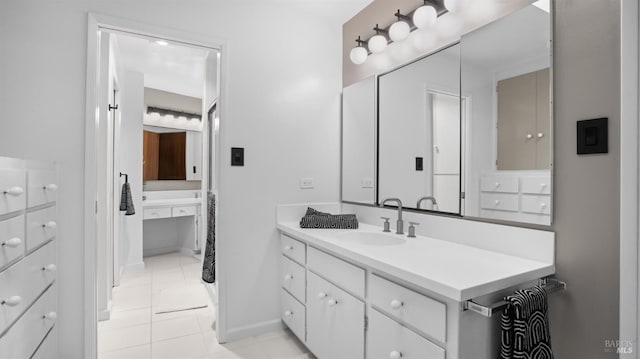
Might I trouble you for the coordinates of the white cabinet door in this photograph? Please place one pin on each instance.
(335, 321)
(193, 155)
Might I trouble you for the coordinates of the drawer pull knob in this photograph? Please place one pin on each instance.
(12, 242)
(497, 184)
(50, 268)
(529, 136)
(12, 301)
(288, 313)
(288, 277)
(542, 205)
(332, 302)
(396, 304)
(540, 134)
(543, 185)
(183, 211)
(497, 202)
(50, 187)
(50, 225)
(50, 316)
(288, 248)
(14, 191)
(395, 355)
(322, 295)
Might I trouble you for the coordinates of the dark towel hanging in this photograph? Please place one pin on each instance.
(525, 325)
(208, 266)
(126, 201)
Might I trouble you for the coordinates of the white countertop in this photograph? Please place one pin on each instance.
(456, 271)
(170, 202)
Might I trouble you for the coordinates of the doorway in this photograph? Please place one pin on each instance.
(111, 160)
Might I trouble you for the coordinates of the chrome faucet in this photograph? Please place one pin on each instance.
(399, 223)
(433, 199)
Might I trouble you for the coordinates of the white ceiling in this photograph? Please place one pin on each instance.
(173, 68)
(338, 11)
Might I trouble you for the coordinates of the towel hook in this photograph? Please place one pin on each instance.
(126, 177)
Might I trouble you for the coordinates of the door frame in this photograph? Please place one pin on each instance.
(97, 22)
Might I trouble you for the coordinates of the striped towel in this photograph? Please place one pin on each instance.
(126, 202)
(317, 219)
(525, 326)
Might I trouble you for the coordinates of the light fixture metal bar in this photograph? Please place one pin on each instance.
(164, 111)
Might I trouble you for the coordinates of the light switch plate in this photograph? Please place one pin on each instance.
(306, 183)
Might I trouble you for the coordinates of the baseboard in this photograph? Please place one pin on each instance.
(158, 251)
(105, 314)
(250, 331)
(132, 266)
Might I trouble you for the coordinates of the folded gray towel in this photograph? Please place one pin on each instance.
(317, 219)
(126, 202)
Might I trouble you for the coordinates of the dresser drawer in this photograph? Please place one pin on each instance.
(536, 204)
(536, 185)
(24, 281)
(183, 211)
(293, 314)
(388, 339)
(499, 184)
(341, 273)
(43, 187)
(41, 227)
(425, 314)
(22, 340)
(153, 213)
(11, 240)
(293, 278)
(293, 249)
(49, 347)
(499, 201)
(13, 190)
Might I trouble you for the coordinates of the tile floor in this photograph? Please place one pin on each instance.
(137, 330)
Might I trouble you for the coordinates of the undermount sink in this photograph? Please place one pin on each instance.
(373, 238)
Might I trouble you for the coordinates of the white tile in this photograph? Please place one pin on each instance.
(138, 352)
(187, 347)
(174, 328)
(126, 318)
(207, 321)
(283, 347)
(180, 297)
(120, 338)
(168, 276)
(143, 290)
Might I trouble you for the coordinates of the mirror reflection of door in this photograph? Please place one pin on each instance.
(446, 151)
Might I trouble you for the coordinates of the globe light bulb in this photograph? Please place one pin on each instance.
(358, 55)
(452, 5)
(399, 31)
(425, 16)
(377, 43)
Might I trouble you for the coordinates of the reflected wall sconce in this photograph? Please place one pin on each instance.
(424, 17)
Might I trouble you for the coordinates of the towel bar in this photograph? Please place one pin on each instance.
(550, 285)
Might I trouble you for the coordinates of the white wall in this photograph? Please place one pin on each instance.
(132, 95)
(282, 101)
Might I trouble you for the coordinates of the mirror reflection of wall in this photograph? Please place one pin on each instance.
(419, 132)
(358, 142)
(506, 76)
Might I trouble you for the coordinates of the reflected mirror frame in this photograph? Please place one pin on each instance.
(377, 146)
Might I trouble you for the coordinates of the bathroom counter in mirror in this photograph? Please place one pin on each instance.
(455, 271)
(171, 202)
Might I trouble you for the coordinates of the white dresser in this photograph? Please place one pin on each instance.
(28, 225)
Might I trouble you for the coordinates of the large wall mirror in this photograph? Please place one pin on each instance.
(465, 130)
(419, 133)
(171, 154)
(505, 75)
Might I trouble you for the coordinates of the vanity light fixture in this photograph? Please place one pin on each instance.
(378, 42)
(423, 17)
(359, 54)
(400, 29)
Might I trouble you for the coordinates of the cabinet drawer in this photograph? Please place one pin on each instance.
(339, 272)
(183, 211)
(43, 187)
(499, 184)
(536, 204)
(293, 278)
(536, 185)
(499, 201)
(423, 313)
(388, 339)
(26, 280)
(49, 347)
(293, 249)
(13, 190)
(152, 213)
(41, 227)
(335, 321)
(11, 240)
(293, 314)
(22, 340)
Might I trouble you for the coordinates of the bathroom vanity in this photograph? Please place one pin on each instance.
(179, 211)
(368, 294)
